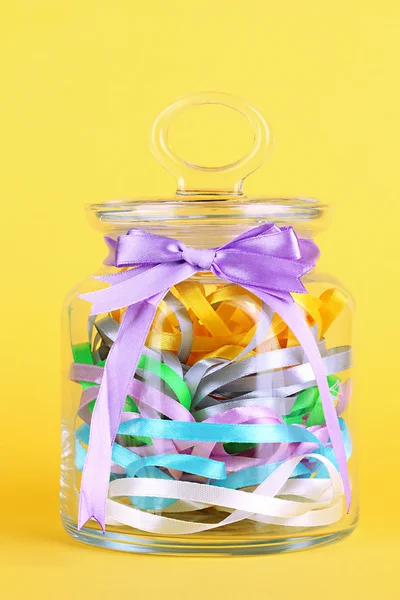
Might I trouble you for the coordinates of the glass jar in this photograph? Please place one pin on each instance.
(214, 416)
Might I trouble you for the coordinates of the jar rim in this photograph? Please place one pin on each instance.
(285, 209)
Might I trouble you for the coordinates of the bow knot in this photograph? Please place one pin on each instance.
(201, 258)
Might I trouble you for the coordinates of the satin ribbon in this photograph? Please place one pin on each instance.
(213, 369)
(243, 473)
(268, 261)
(229, 412)
(260, 505)
(205, 467)
(240, 311)
(308, 402)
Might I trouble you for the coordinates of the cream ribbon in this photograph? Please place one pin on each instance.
(312, 508)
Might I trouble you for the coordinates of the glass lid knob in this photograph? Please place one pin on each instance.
(193, 179)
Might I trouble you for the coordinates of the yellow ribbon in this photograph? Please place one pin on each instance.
(225, 319)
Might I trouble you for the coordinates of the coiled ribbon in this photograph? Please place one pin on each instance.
(268, 261)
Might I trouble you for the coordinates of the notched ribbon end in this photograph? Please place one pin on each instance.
(301, 289)
(92, 297)
(87, 296)
(85, 514)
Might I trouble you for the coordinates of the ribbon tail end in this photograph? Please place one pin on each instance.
(87, 296)
(86, 513)
(348, 501)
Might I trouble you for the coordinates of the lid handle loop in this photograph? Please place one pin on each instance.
(195, 179)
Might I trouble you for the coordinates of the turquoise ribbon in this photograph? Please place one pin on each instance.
(122, 457)
(206, 467)
(217, 432)
(197, 465)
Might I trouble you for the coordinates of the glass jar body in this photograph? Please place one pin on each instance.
(216, 355)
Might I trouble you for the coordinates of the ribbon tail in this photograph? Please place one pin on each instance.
(137, 285)
(118, 372)
(294, 318)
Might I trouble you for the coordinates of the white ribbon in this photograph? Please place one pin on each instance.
(320, 502)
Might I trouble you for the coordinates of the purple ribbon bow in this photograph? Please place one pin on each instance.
(267, 260)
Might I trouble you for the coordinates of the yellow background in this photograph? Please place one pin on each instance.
(81, 82)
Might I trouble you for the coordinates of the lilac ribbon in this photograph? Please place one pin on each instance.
(268, 260)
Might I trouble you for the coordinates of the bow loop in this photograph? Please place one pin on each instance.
(143, 248)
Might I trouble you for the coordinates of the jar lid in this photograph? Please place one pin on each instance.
(210, 192)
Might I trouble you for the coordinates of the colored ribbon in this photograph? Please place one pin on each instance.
(260, 505)
(243, 471)
(268, 261)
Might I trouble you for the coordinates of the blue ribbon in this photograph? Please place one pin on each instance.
(217, 432)
(209, 468)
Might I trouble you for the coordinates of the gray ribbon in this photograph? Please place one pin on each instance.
(205, 368)
(282, 406)
(259, 364)
(107, 330)
(296, 378)
(270, 379)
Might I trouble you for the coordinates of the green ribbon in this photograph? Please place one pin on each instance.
(236, 447)
(168, 375)
(308, 402)
(82, 354)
